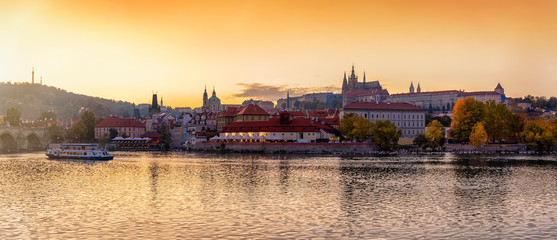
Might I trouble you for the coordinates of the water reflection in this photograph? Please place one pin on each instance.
(181, 195)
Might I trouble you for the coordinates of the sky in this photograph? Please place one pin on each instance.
(127, 49)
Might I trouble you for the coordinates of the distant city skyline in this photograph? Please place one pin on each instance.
(125, 50)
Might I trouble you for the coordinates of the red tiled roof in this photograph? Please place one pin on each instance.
(229, 112)
(382, 106)
(432, 92)
(120, 122)
(252, 109)
(273, 125)
(330, 121)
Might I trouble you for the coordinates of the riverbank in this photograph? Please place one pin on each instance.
(356, 149)
(312, 148)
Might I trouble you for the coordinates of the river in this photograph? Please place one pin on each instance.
(192, 195)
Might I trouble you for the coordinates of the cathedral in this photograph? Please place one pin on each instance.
(211, 104)
(351, 84)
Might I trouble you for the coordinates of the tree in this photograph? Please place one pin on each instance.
(112, 133)
(478, 135)
(435, 134)
(497, 121)
(467, 112)
(353, 126)
(166, 137)
(88, 120)
(540, 134)
(55, 133)
(421, 141)
(13, 117)
(516, 126)
(385, 134)
(78, 132)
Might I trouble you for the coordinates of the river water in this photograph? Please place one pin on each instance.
(188, 195)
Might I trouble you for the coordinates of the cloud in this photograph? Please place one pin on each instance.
(274, 92)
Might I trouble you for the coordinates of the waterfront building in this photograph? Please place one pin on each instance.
(407, 117)
(251, 112)
(284, 127)
(125, 126)
(248, 113)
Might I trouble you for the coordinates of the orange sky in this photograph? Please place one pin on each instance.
(126, 49)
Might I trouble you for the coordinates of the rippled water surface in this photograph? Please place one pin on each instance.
(184, 195)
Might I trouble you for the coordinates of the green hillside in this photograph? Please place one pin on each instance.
(33, 99)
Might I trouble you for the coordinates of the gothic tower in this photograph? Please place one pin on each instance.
(352, 80)
(411, 87)
(419, 89)
(205, 98)
(344, 84)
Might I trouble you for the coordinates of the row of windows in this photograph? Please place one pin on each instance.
(120, 129)
(411, 132)
(394, 115)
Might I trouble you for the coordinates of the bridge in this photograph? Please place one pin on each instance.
(15, 139)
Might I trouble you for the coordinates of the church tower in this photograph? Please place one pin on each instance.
(352, 80)
(411, 87)
(344, 84)
(155, 108)
(419, 89)
(205, 98)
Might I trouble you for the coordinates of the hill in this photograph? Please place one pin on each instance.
(33, 99)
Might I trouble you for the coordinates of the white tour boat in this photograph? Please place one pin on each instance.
(78, 151)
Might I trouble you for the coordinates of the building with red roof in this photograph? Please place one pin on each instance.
(285, 127)
(444, 101)
(130, 127)
(407, 117)
(247, 113)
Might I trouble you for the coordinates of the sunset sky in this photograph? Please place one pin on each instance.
(124, 50)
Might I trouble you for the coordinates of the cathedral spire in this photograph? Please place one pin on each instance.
(364, 78)
(287, 99)
(411, 87)
(344, 83)
(353, 74)
(214, 93)
(419, 89)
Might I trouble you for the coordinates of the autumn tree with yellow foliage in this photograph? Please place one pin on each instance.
(478, 136)
(466, 114)
(355, 127)
(435, 134)
(541, 134)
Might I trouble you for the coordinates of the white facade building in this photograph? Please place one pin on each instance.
(407, 117)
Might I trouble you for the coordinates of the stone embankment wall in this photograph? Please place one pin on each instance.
(327, 148)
